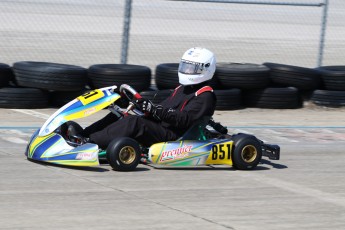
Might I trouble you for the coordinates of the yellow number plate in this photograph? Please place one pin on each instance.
(220, 154)
(91, 96)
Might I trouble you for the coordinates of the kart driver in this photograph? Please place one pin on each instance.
(169, 120)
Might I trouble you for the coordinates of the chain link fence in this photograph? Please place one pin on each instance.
(86, 32)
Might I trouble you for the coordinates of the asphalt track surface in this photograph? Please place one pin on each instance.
(303, 190)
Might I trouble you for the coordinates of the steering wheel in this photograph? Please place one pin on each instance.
(130, 94)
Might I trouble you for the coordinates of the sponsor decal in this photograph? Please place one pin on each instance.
(89, 111)
(84, 156)
(176, 153)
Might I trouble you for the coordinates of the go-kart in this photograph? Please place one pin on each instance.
(205, 143)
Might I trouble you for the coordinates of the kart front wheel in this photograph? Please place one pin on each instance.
(247, 151)
(123, 154)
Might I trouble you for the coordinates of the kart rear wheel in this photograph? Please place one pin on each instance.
(247, 151)
(123, 154)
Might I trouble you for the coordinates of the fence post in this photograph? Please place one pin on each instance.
(125, 34)
(323, 32)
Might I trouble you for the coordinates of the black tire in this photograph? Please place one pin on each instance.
(23, 98)
(294, 76)
(60, 98)
(247, 151)
(229, 99)
(156, 96)
(6, 74)
(166, 76)
(333, 77)
(329, 98)
(273, 98)
(242, 75)
(123, 154)
(50, 76)
(103, 75)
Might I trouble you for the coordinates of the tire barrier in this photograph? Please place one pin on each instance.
(59, 98)
(273, 98)
(294, 76)
(228, 99)
(102, 75)
(23, 98)
(31, 84)
(333, 77)
(242, 75)
(6, 74)
(156, 96)
(167, 76)
(49, 76)
(328, 98)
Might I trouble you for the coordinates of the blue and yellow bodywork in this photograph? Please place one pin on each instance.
(54, 149)
(48, 146)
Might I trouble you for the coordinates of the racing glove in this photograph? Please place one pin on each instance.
(147, 107)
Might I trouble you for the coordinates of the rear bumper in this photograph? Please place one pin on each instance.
(271, 151)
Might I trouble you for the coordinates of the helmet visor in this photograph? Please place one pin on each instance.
(188, 67)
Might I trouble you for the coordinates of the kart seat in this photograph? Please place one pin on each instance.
(196, 131)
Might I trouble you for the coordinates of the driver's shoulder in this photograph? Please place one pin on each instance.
(206, 97)
(203, 90)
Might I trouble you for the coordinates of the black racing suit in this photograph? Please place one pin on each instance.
(180, 111)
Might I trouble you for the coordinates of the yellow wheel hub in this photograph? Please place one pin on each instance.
(249, 153)
(127, 155)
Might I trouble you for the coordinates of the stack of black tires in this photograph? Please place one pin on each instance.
(332, 94)
(29, 85)
(237, 85)
(324, 86)
(267, 85)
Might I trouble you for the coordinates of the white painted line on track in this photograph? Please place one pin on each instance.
(301, 131)
(32, 113)
(272, 131)
(298, 189)
(283, 139)
(327, 131)
(15, 140)
(16, 132)
(242, 131)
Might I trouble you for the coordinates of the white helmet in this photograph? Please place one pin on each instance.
(197, 65)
